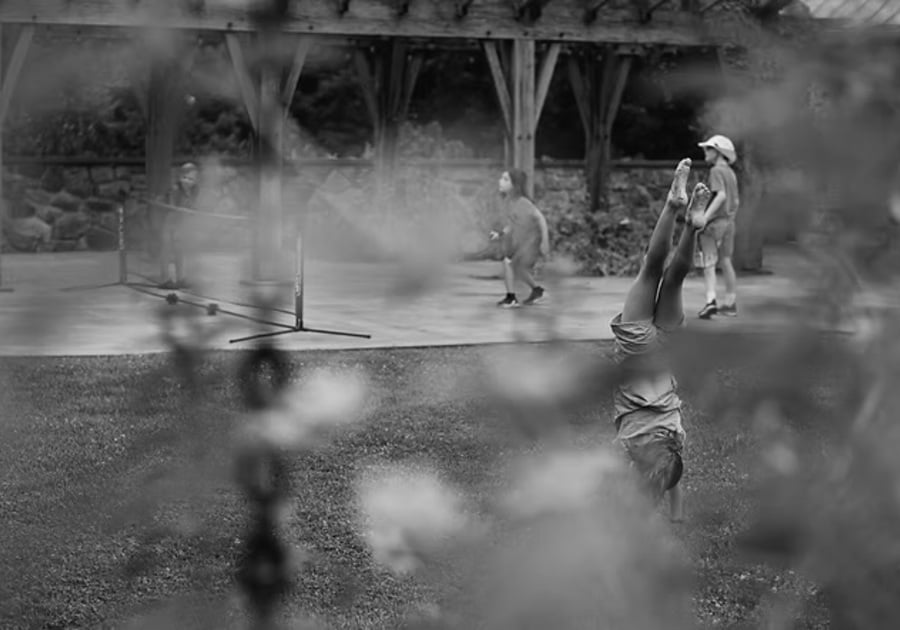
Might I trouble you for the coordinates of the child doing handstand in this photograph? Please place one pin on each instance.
(647, 407)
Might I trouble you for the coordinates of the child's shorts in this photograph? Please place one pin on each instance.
(715, 241)
(657, 456)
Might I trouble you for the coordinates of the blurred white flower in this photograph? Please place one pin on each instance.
(561, 482)
(535, 375)
(406, 513)
(313, 409)
(562, 266)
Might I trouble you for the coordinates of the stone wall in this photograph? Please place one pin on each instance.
(63, 208)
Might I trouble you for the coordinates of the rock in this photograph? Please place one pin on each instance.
(78, 181)
(124, 172)
(100, 205)
(26, 234)
(72, 225)
(139, 181)
(563, 179)
(109, 221)
(48, 214)
(38, 196)
(52, 180)
(32, 170)
(65, 245)
(115, 189)
(99, 238)
(66, 201)
(102, 174)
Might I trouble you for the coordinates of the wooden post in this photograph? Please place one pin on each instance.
(749, 237)
(8, 80)
(522, 105)
(598, 88)
(164, 106)
(270, 219)
(524, 109)
(268, 102)
(388, 81)
(501, 88)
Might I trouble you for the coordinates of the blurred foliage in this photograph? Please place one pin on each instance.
(454, 90)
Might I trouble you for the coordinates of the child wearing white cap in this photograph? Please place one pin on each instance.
(716, 240)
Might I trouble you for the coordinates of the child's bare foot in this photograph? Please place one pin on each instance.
(678, 192)
(697, 208)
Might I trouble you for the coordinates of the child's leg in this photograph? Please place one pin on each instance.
(725, 258)
(676, 503)
(641, 299)
(730, 278)
(669, 306)
(509, 277)
(524, 271)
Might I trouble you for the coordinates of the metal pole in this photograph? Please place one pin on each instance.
(298, 283)
(123, 259)
(3, 207)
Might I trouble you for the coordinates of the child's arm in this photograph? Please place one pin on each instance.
(545, 233)
(717, 186)
(714, 205)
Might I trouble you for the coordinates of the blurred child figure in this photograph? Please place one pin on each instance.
(525, 238)
(182, 195)
(647, 407)
(717, 238)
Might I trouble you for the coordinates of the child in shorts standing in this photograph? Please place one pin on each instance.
(716, 241)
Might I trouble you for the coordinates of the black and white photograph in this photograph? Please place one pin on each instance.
(449, 314)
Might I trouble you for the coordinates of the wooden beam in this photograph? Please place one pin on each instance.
(771, 8)
(367, 83)
(621, 70)
(245, 81)
(411, 77)
(592, 10)
(11, 77)
(500, 84)
(304, 44)
(579, 89)
(712, 5)
(462, 8)
(653, 6)
(548, 65)
(561, 20)
(529, 10)
(271, 207)
(402, 7)
(524, 108)
(139, 87)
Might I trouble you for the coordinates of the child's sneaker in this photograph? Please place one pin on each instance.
(728, 310)
(708, 311)
(509, 301)
(537, 294)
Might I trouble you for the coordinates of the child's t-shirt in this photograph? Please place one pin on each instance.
(524, 226)
(722, 178)
(648, 399)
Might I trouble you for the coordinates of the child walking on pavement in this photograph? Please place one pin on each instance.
(647, 407)
(716, 242)
(525, 239)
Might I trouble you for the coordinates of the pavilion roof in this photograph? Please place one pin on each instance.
(867, 12)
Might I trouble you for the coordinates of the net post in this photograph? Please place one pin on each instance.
(123, 258)
(298, 283)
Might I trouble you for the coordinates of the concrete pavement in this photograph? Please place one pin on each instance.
(458, 307)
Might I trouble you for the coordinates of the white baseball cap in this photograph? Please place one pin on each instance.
(723, 145)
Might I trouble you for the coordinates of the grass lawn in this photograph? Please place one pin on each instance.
(117, 502)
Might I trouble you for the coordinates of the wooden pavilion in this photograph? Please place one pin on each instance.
(256, 33)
